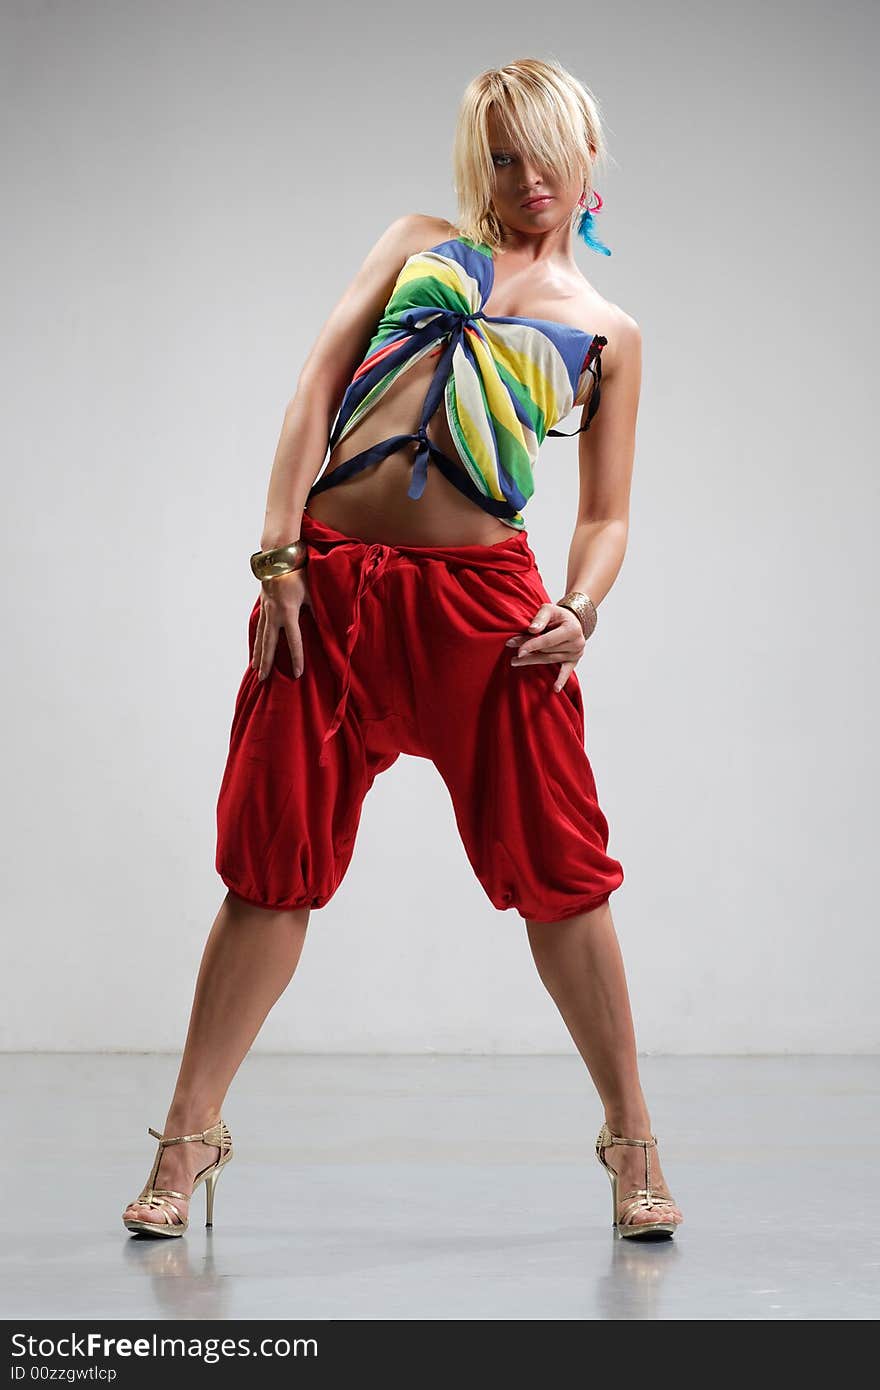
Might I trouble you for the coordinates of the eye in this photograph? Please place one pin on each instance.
(497, 157)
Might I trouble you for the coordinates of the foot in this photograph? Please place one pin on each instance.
(178, 1168)
(628, 1161)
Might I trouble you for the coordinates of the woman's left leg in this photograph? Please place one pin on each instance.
(580, 962)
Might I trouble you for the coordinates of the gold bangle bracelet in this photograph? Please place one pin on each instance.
(271, 564)
(583, 608)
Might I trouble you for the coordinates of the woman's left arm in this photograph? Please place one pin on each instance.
(605, 457)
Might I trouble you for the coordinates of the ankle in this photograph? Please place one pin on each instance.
(629, 1123)
(187, 1116)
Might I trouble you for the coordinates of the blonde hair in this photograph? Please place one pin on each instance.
(545, 111)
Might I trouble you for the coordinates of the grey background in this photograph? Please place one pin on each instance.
(188, 190)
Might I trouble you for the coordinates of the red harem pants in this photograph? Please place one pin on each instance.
(404, 652)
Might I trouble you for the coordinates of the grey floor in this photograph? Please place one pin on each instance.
(445, 1187)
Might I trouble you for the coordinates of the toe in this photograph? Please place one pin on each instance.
(653, 1215)
(138, 1212)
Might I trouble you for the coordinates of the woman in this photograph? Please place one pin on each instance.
(415, 618)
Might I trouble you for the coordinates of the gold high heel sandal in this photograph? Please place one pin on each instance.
(640, 1198)
(159, 1197)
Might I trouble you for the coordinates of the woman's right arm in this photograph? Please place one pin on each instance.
(309, 417)
(326, 372)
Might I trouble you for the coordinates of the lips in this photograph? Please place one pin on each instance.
(538, 202)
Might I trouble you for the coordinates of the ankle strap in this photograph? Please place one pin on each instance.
(214, 1135)
(606, 1139)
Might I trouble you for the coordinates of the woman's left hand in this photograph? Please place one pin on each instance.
(561, 639)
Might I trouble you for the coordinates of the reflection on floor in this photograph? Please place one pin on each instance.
(444, 1187)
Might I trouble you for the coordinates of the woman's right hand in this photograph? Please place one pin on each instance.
(280, 603)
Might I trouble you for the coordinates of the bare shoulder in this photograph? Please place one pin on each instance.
(385, 258)
(623, 351)
(596, 314)
(416, 231)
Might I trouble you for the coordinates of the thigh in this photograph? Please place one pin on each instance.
(512, 753)
(286, 823)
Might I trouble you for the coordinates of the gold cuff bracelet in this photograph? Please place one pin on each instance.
(583, 608)
(270, 564)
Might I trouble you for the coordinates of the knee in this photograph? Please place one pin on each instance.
(254, 886)
(241, 904)
(553, 888)
(570, 911)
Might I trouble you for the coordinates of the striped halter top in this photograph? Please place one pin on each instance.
(505, 381)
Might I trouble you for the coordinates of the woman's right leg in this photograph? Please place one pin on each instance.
(286, 828)
(248, 961)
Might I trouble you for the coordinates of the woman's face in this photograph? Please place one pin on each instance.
(528, 198)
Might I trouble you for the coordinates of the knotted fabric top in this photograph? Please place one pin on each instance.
(504, 381)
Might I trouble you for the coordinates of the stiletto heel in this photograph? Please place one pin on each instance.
(639, 1198)
(210, 1184)
(172, 1223)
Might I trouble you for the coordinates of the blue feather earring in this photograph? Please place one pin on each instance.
(585, 228)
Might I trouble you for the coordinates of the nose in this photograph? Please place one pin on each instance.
(531, 175)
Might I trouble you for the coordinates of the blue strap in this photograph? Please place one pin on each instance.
(358, 462)
(433, 396)
(454, 323)
(456, 475)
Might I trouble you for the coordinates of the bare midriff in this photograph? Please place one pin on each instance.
(373, 505)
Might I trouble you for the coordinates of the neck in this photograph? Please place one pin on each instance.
(554, 244)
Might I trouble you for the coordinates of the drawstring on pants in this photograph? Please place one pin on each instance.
(373, 562)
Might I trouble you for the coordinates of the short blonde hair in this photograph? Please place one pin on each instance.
(545, 111)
